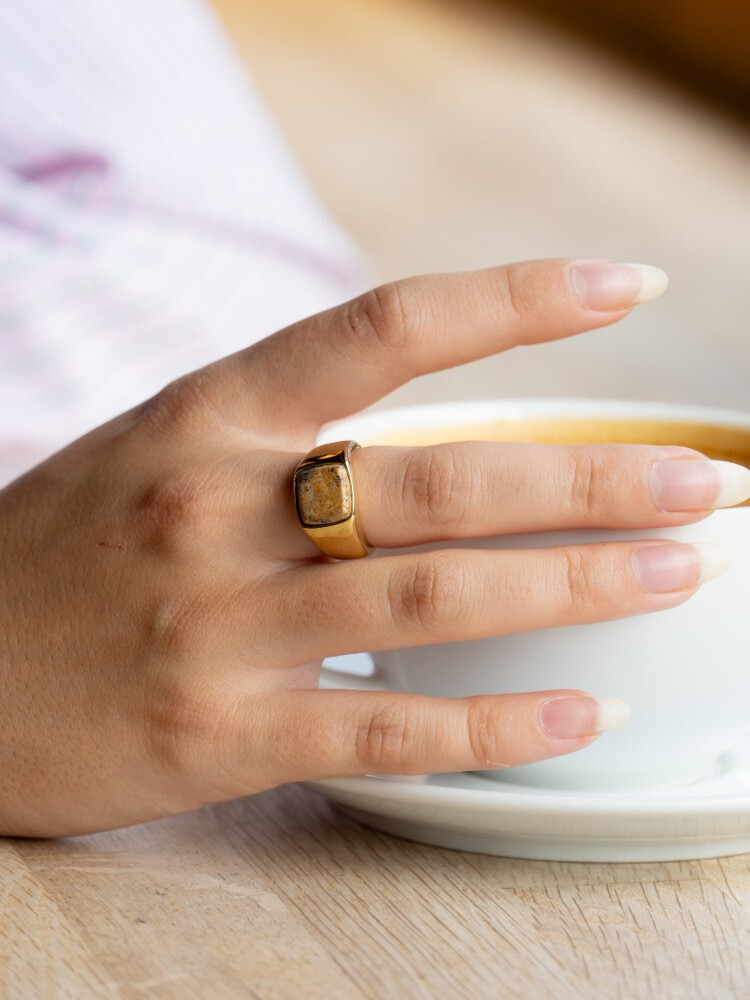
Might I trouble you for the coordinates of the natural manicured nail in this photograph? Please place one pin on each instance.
(604, 286)
(663, 567)
(679, 484)
(569, 717)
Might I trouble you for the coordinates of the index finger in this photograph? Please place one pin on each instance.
(341, 360)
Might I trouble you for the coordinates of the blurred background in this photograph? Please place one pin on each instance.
(450, 135)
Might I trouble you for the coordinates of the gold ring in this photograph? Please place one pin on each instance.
(325, 499)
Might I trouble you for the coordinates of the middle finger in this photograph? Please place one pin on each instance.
(448, 595)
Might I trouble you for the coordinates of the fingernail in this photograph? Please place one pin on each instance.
(568, 717)
(663, 567)
(604, 286)
(698, 484)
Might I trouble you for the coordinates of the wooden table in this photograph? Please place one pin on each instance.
(442, 137)
(278, 897)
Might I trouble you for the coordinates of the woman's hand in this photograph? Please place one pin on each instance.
(164, 616)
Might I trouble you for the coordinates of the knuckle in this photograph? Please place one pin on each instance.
(429, 596)
(482, 732)
(177, 625)
(175, 505)
(381, 316)
(588, 479)
(515, 293)
(438, 485)
(580, 583)
(183, 722)
(184, 402)
(383, 741)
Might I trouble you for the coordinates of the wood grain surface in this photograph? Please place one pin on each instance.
(279, 896)
(441, 138)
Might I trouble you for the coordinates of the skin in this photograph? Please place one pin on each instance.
(165, 616)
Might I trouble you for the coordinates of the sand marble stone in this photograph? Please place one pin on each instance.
(324, 495)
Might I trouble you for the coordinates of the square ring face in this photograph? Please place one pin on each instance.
(324, 495)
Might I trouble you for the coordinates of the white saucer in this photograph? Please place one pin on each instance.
(470, 813)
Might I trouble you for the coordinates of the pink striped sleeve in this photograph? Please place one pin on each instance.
(151, 218)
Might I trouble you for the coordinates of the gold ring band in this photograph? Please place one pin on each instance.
(325, 499)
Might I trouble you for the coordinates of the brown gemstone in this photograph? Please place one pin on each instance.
(324, 495)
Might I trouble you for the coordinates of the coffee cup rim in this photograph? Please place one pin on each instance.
(362, 424)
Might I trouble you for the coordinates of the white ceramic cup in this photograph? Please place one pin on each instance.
(685, 672)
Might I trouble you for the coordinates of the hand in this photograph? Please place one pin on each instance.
(165, 616)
